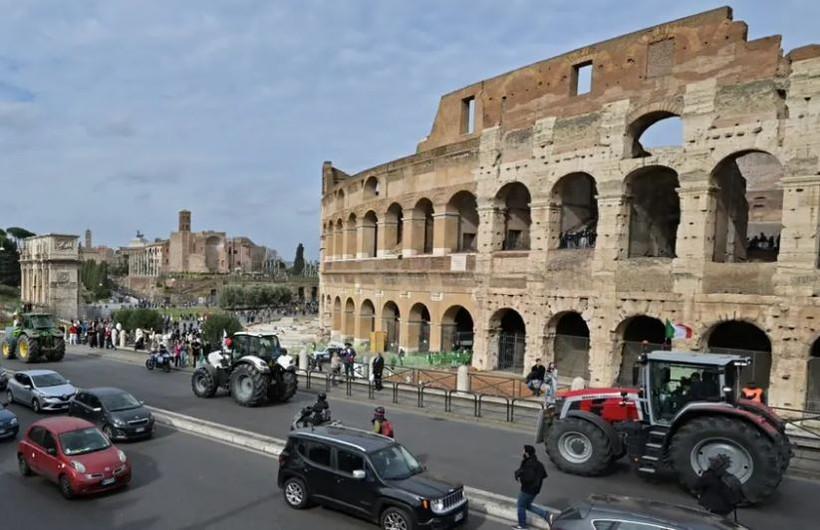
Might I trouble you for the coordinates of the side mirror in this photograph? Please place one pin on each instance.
(359, 474)
(27, 387)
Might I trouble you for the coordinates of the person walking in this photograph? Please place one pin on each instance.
(530, 474)
(719, 491)
(378, 370)
(335, 367)
(349, 359)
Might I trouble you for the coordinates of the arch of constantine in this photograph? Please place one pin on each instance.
(536, 221)
(50, 274)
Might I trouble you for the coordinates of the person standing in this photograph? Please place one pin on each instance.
(378, 370)
(335, 367)
(349, 359)
(530, 474)
(754, 393)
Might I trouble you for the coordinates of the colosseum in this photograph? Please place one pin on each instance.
(533, 223)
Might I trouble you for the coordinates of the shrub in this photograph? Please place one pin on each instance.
(142, 318)
(215, 325)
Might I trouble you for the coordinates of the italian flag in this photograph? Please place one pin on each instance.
(677, 331)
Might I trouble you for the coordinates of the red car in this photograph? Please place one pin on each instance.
(74, 454)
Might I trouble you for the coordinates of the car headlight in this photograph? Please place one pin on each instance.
(13, 422)
(121, 455)
(118, 422)
(78, 466)
(437, 505)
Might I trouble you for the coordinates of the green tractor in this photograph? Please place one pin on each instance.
(34, 338)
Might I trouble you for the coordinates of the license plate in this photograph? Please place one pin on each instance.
(459, 516)
(140, 429)
(108, 481)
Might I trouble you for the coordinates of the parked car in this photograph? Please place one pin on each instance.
(40, 390)
(4, 379)
(367, 475)
(319, 358)
(119, 414)
(613, 512)
(9, 426)
(74, 454)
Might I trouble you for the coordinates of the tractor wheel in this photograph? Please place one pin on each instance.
(7, 350)
(26, 349)
(285, 388)
(249, 386)
(203, 383)
(578, 447)
(58, 352)
(756, 460)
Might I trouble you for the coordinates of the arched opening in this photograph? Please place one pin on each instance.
(457, 329)
(511, 339)
(339, 239)
(390, 325)
(349, 319)
(393, 229)
(423, 227)
(743, 338)
(367, 316)
(419, 328)
(513, 202)
(655, 130)
(576, 194)
(813, 378)
(654, 212)
(638, 334)
(314, 293)
(461, 236)
(301, 294)
(350, 237)
(370, 188)
(570, 345)
(213, 248)
(337, 314)
(749, 209)
(370, 233)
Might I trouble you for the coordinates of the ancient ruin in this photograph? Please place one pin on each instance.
(534, 222)
(50, 274)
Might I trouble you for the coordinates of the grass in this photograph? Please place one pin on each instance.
(176, 312)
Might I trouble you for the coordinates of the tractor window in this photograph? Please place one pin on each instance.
(240, 346)
(675, 385)
(269, 344)
(39, 322)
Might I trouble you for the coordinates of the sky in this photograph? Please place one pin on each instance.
(115, 114)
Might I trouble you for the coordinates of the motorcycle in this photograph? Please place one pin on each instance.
(306, 418)
(161, 359)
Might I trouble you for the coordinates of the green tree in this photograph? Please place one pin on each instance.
(215, 325)
(9, 261)
(299, 260)
(94, 277)
(230, 297)
(143, 318)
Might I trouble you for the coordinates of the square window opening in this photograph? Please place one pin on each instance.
(582, 78)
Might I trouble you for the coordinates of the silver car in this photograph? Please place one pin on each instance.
(40, 390)
(617, 512)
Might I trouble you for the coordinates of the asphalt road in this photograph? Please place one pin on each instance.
(480, 455)
(180, 482)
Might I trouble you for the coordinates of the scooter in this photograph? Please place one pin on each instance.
(306, 418)
(161, 359)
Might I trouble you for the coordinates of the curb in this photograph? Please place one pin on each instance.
(485, 502)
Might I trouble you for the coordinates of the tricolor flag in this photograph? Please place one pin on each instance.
(677, 331)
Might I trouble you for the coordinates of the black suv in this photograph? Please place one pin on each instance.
(367, 475)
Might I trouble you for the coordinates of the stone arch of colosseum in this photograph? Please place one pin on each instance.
(349, 320)
(337, 315)
(741, 336)
(669, 240)
(507, 338)
(573, 220)
(390, 322)
(632, 336)
(366, 321)
(457, 329)
(567, 344)
(418, 328)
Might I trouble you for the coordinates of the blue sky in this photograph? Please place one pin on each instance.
(114, 114)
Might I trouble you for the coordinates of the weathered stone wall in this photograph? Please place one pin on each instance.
(733, 97)
(50, 272)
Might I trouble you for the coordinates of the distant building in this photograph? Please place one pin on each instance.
(100, 254)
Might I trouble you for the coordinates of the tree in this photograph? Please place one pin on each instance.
(9, 256)
(94, 277)
(18, 233)
(215, 325)
(299, 260)
(142, 318)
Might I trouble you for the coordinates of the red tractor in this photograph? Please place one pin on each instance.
(685, 410)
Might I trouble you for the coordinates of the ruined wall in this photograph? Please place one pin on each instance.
(686, 260)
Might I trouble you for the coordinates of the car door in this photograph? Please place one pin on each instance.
(50, 463)
(94, 409)
(77, 406)
(34, 452)
(317, 468)
(357, 495)
(22, 392)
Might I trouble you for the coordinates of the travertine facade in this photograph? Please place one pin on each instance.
(532, 222)
(50, 274)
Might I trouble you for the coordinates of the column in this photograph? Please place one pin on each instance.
(612, 242)
(386, 238)
(490, 228)
(552, 216)
(413, 239)
(338, 243)
(349, 242)
(798, 258)
(445, 229)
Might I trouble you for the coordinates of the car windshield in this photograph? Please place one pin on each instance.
(122, 401)
(395, 463)
(83, 441)
(47, 380)
(41, 322)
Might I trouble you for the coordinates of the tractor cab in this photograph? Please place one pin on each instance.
(671, 380)
(263, 345)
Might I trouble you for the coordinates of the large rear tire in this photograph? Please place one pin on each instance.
(578, 447)
(249, 386)
(26, 349)
(285, 388)
(203, 383)
(59, 351)
(756, 459)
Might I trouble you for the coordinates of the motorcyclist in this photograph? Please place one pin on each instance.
(321, 409)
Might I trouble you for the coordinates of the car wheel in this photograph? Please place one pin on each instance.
(65, 487)
(108, 432)
(396, 519)
(9, 397)
(35, 405)
(23, 466)
(296, 493)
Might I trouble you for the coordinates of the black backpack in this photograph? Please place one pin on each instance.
(733, 489)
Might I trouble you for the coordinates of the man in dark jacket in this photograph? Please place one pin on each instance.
(530, 475)
(378, 370)
(535, 379)
(718, 490)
